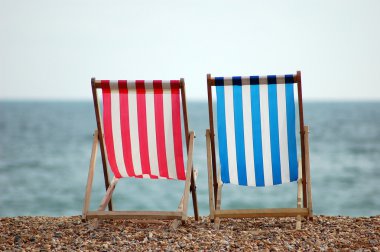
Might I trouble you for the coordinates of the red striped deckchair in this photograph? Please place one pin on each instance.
(256, 133)
(140, 136)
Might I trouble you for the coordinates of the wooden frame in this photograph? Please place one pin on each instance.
(180, 214)
(215, 184)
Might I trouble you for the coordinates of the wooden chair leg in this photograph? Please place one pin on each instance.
(90, 176)
(308, 177)
(210, 184)
(189, 167)
(218, 203)
(193, 189)
(106, 199)
(299, 202)
(189, 173)
(175, 223)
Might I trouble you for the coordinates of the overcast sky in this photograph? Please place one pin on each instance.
(51, 49)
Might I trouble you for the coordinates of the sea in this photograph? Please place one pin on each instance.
(45, 149)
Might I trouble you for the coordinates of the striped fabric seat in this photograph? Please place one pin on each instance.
(256, 130)
(142, 128)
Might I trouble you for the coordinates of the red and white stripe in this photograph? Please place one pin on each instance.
(142, 128)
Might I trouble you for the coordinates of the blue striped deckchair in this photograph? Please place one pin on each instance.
(256, 133)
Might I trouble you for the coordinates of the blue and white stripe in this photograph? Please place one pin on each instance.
(257, 130)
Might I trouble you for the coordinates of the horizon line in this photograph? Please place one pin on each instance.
(188, 100)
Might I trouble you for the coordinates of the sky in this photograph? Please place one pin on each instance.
(50, 49)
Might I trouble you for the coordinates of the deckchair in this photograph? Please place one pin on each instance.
(256, 133)
(140, 136)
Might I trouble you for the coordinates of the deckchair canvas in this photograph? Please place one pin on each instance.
(140, 136)
(256, 133)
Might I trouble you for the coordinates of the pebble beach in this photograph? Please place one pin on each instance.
(324, 233)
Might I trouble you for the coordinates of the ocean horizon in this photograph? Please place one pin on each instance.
(45, 149)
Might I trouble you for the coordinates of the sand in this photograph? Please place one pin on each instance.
(324, 233)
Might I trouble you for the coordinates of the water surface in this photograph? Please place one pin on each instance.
(45, 150)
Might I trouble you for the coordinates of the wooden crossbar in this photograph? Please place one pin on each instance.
(165, 215)
(99, 84)
(263, 80)
(268, 212)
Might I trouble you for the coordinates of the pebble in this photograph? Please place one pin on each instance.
(325, 233)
